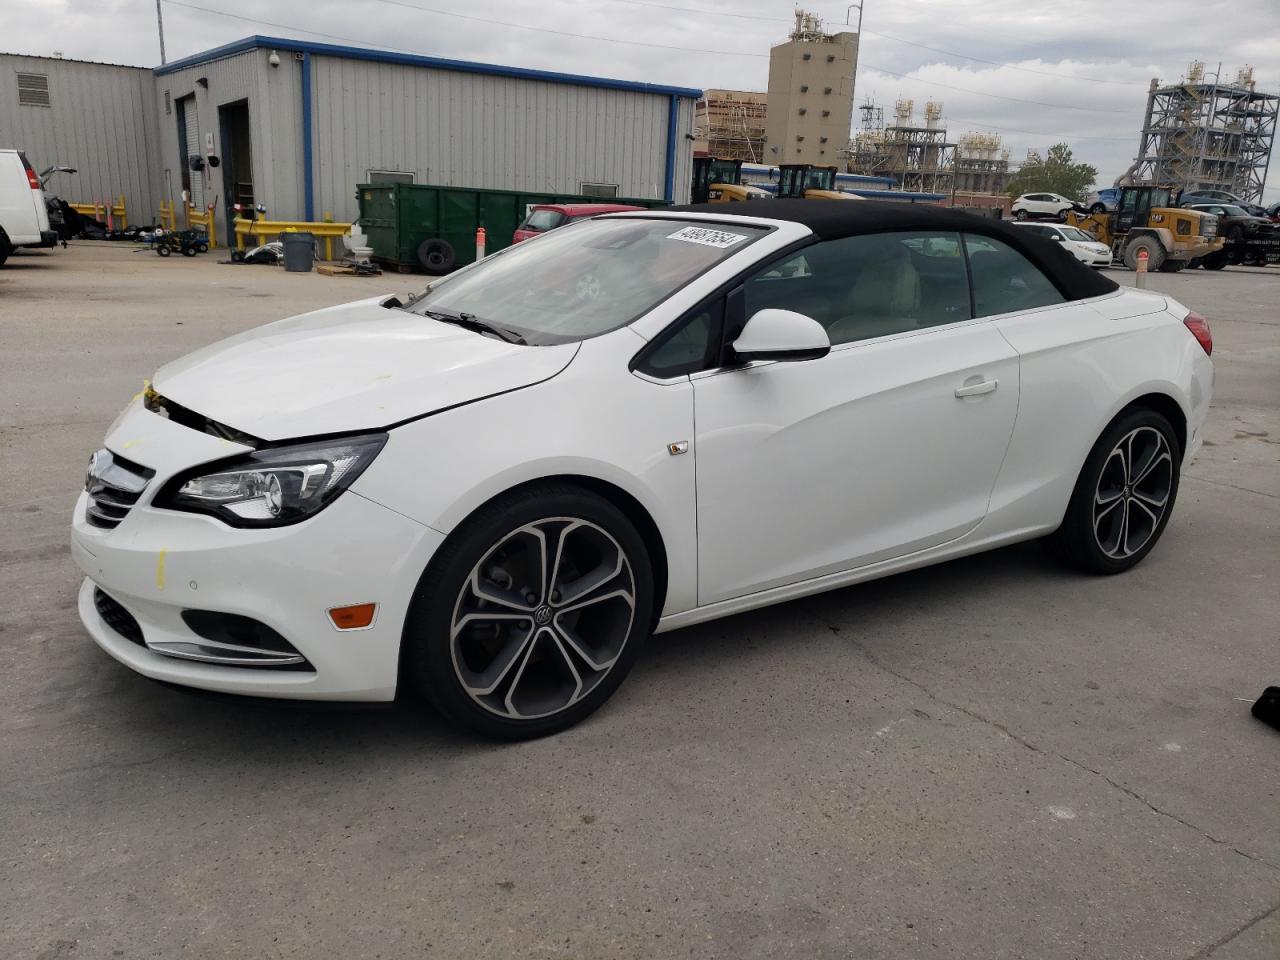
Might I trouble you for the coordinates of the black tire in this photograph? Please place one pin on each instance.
(445, 592)
(1215, 261)
(1155, 253)
(189, 250)
(1062, 214)
(237, 256)
(1195, 262)
(1173, 266)
(164, 249)
(6, 247)
(1098, 208)
(436, 256)
(202, 247)
(1019, 214)
(1078, 541)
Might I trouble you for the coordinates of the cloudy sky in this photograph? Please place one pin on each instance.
(1034, 71)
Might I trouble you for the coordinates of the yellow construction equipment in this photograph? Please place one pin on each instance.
(807, 182)
(716, 180)
(1145, 220)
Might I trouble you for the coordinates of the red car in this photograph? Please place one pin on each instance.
(548, 216)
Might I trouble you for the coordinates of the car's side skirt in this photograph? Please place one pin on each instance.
(961, 547)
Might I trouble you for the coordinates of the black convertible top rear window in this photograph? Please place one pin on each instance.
(833, 219)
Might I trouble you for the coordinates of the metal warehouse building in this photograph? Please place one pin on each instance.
(296, 125)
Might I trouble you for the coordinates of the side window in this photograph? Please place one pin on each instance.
(1004, 281)
(687, 345)
(869, 286)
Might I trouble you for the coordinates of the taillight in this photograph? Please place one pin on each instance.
(1199, 328)
(33, 179)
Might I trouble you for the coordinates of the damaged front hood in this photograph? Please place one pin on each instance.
(357, 366)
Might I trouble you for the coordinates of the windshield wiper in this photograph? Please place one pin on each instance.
(471, 322)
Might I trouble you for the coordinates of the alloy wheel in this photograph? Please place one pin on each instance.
(1132, 494)
(542, 618)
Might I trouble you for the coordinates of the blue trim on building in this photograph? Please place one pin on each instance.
(308, 153)
(384, 56)
(673, 113)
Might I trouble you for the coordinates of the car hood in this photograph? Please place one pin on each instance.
(357, 366)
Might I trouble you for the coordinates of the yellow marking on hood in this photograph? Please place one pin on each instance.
(383, 376)
(130, 443)
(146, 388)
(160, 568)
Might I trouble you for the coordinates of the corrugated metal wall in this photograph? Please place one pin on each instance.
(101, 119)
(474, 130)
(116, 125)
(275, 126)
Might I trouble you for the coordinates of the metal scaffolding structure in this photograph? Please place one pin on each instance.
(730, 124)
(921, 157)
(1207, 134)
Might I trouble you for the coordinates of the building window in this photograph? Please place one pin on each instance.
(806, 56)
(822, 139)
(826, 90)
(831, 58)
(33, 90)
(168, 103)
(799, 138)
(606, 190)
(803, 111)
(826, 113)
(390, 176)
(804, 88)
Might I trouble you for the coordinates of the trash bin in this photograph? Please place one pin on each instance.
(299, 251)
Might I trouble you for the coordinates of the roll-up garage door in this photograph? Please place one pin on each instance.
(192, 125)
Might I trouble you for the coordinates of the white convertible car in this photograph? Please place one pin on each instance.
(493, 493)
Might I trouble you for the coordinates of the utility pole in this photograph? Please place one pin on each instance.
(160, 26)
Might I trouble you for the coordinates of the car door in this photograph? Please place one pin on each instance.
(888, 445)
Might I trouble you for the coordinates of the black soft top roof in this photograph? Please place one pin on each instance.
(833, 219)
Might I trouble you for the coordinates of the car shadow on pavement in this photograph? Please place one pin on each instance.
(168, 721)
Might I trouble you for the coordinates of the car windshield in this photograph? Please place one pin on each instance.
(1072, 233)
(543, 220)
(585, 279)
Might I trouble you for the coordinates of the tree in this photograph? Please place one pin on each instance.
(1055, 173)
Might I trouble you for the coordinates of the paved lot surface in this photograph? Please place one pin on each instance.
(992, 758)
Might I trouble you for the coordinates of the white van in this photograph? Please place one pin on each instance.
(24, 221)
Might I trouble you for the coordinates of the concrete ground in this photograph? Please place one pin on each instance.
(993, 758)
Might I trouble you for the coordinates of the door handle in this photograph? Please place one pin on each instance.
(974, 387)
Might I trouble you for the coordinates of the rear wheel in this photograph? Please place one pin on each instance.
(6, 248)
(1019, 214)
(531, 614)
(1155, 252)
(1172, 266)
(1215, 261)
(1123, 497)
(1098, 208)
(164, 249)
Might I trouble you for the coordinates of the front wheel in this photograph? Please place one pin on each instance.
(531, 614)
(1098, 208)
(1123, 496)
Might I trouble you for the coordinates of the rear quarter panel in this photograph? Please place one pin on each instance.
(1080, 366)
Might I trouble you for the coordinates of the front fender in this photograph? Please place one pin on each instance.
(595, 420)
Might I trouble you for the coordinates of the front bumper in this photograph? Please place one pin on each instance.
(157, 563)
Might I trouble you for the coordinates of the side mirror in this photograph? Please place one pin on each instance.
(781, 335)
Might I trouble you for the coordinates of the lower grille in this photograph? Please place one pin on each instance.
(117, 617)
(114, 485)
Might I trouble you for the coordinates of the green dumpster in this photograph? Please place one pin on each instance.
(433, 228)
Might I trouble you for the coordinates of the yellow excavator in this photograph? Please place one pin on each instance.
(1145, 219)
(716, 180)
(804, 181)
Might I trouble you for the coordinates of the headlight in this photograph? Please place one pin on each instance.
(273, 486)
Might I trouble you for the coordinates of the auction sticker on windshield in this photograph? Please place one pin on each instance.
(707, 237)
